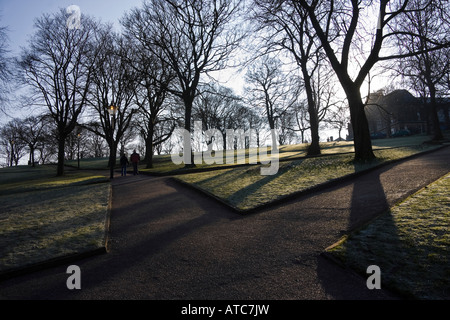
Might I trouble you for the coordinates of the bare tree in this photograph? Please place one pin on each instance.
(11, 142)
(94, 145)
(5, 69)
(286, 27)
(7, 138)
(255, 122)
(153, 79)
(57, 66)
(31, 130)
(424, 71)
(192, 36)
(268, 90)
(218, 107)
(301, 117)
(445, 81)
(286, 122)
(339, 26)
(112, 92)
(338, 118)
(214, 106)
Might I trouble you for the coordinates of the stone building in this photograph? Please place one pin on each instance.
(400, 113)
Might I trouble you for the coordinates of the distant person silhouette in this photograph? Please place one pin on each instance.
(124, 163)
(135, 158)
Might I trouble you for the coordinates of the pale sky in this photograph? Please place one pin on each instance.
(19, 18)
(19, 15)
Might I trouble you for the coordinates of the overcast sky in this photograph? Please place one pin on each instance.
(19, 15)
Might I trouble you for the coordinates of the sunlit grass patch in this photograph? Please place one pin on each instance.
(44, 217)
(26, 179)
(90, 163)
(164, 164)
(40, 225)
(410, 244)
(245, 188)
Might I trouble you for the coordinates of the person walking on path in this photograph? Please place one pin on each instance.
(135, 158)
(124, 163)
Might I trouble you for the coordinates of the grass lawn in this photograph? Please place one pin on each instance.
(162, 164)
(91, 163)
(43, 216)
(410, 244)
(244, 188)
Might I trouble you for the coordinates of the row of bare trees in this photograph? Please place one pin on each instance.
(35, 137)
(342, 35)
(91, 77)
(153, 76)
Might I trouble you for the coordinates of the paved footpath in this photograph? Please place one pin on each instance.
(170, 242)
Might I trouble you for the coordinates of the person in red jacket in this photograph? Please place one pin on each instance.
(135, 158)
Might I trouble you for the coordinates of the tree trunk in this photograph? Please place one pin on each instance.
(112, 158)
(61, 153)
(31, 158)
(274, 140)
(272, 128)
(361, 133)
(148, 159)
(149, 151)
(11, 156)
(437, 132)
(314, 147)
(187, 126)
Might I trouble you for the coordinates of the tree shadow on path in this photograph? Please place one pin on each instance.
(368, 201)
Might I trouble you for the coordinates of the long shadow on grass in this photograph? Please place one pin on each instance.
(57, 234)
(239, 196)
(217, 177)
